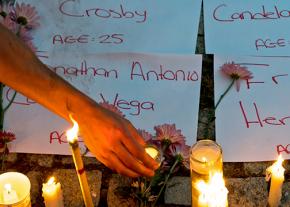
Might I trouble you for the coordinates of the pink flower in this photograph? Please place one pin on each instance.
(6, 137)
(236, 72)
(146, 135)
(167, 133)
(26, 37)
(6, 9)
(111, 108)
(180, 152)
(8, 23)
(26, 15)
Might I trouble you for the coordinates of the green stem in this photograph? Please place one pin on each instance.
(10, 102)
(224, 94)
(165, 181)
(1, 107)
(3, 157)
(211, 114)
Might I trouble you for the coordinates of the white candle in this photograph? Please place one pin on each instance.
(9, 195)
(52, 193)
(14, 190)
(276, 173)
(72, 137)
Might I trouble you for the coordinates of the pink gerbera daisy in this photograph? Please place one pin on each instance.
(236, 72)
(6, 9)
(26, 15)
(8, 23)
(145, 135)
(167, 133)
(6, 137)
(111, 108)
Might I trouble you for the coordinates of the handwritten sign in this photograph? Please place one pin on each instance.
(253, 124)
(117, 26)
(247, 27)
(149, 89)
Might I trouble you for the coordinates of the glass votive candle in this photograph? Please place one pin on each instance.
(14, 190)
(205, 158)
(154, 152)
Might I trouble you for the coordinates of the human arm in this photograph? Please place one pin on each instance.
(111, 138)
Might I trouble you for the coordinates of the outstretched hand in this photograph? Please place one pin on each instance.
(115, 142)
(111, 138)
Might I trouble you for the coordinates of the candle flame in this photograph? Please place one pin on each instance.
(72, 133)
(8, 187)
(213, 193)
(204, 159)
(51, 181)
(152, 152)
(277, 167)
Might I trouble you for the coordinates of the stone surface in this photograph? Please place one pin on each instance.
(35, 181)
(12, 157)
(285, 200)
(178, 191)
(113, 198)
(45, 160)
(233, 170)
(67, 160)
(71, 188)
(41, 160)
(256, 168)
(251, 192)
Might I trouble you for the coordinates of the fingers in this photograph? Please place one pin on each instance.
(135, 146)
(114, 163)
(131, 162)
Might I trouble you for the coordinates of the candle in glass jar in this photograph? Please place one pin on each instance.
(9, 195)
(52, 193)
(154, 153)
(205, 158)
(14, 190)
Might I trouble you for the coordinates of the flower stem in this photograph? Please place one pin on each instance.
(10, 102)
(165, 181)
(3, 156)
(211, 114)
(224, 94)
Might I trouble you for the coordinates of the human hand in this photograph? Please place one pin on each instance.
(115, 142)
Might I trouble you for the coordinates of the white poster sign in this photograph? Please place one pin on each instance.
(253, 124)
(116, 26)
(149, 89)
(247, 27)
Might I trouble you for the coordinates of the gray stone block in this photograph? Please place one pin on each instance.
(113, 198)
(251, 192)
(71, 188)
(178, 191)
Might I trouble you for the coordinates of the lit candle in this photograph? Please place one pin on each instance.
(205, 158)
(212, 193)
(52, 193)
(14, 190)
(154, 153)
(72, 136)
(9, 195)
(276, 173)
